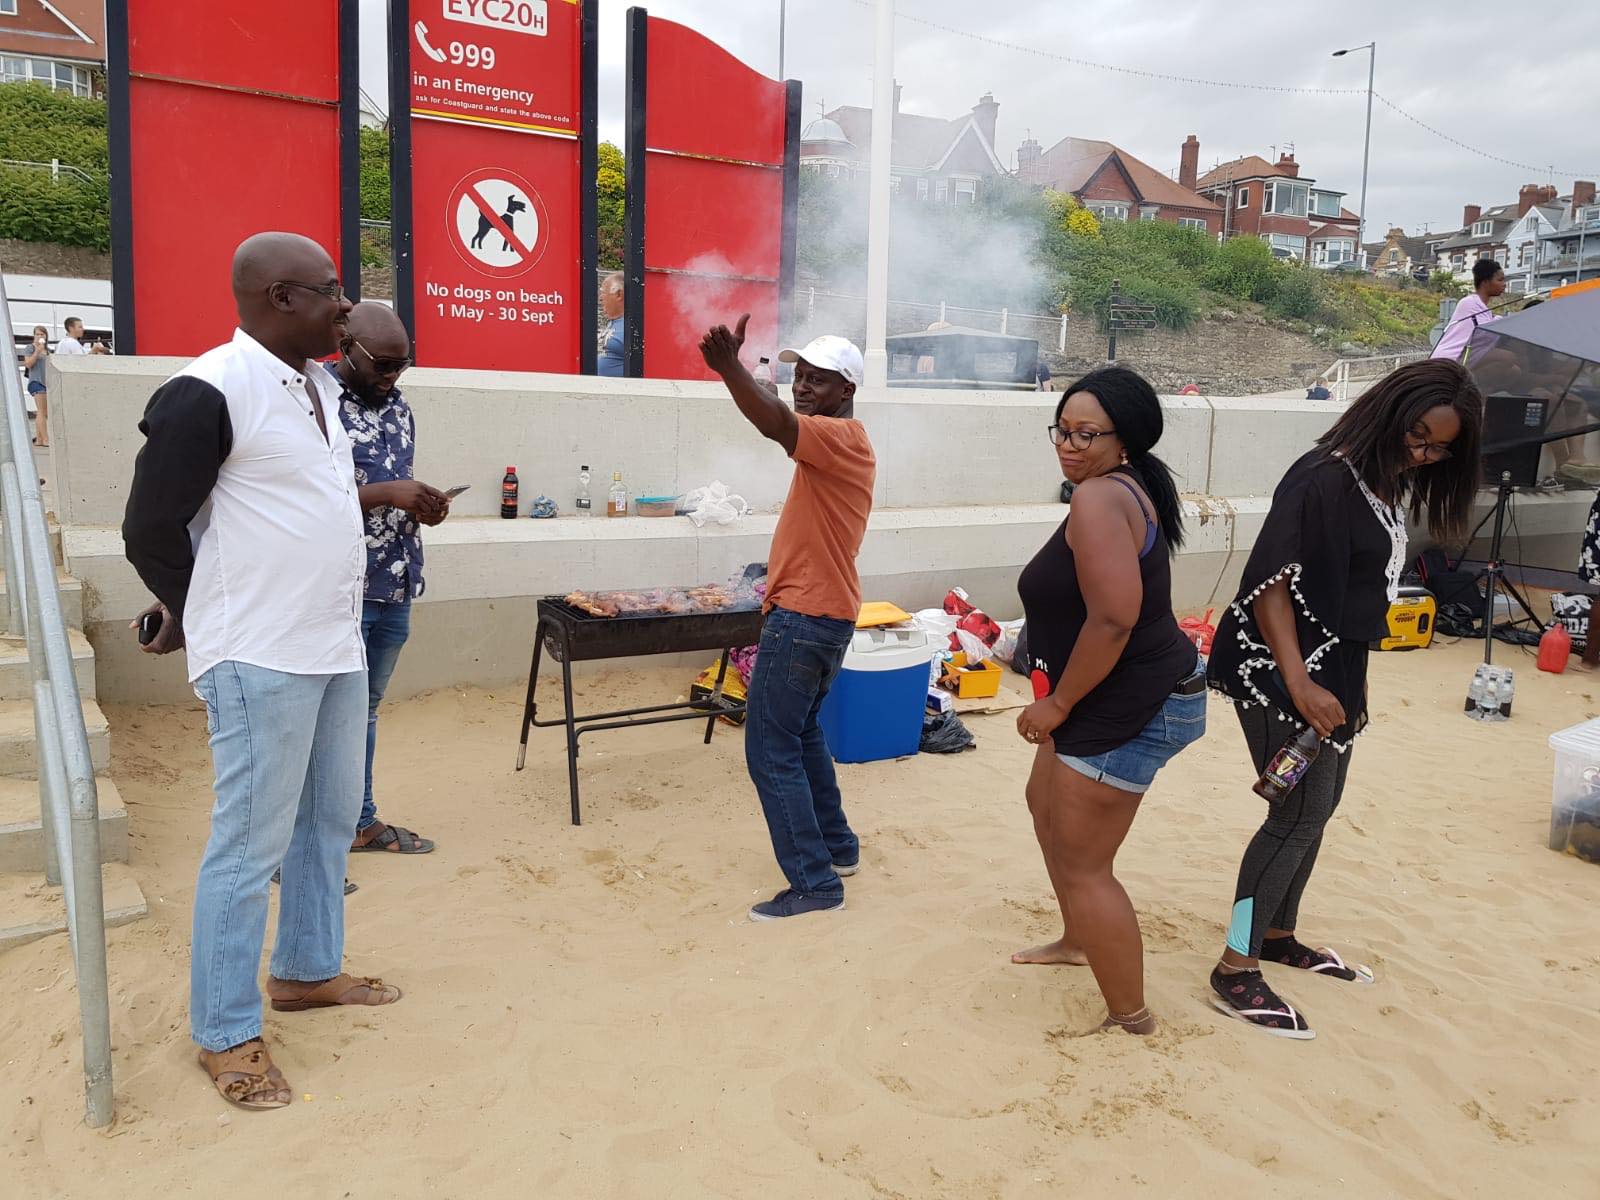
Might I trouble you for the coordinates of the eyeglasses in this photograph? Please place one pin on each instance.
(333, 291)
(1081, 439)
(383, 366)
(1432, 451)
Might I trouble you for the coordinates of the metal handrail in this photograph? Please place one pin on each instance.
(56, 167)
(68, 803)
(1340, 375)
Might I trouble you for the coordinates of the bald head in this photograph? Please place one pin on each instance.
(377, 327)
(287, 292)
(375, 352)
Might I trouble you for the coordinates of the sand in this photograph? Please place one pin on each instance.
(589, 1013)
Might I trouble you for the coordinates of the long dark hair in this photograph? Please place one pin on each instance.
(1135, 414)
(1371, 438)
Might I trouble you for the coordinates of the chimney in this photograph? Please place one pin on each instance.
(1028, 156)
(1189, 162)
(986, 112)
(1582, 194)
(1527, 197)
(1287, 165)
(897, 98)
(1469, 214)
(1546, 194)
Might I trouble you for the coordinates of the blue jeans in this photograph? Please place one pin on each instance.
(385, 628)
(286, 750)
(787, 755)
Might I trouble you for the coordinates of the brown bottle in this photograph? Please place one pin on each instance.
(508, 494)
(1288, 766)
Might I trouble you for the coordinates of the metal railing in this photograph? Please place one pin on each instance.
(68, 803)
(1364, 370)
(57, 169)
(906, 316)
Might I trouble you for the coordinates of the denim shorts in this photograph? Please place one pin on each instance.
(1132, 766)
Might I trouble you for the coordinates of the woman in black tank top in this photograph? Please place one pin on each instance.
(1118, 687)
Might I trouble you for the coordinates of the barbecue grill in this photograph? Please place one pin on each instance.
(573, 635)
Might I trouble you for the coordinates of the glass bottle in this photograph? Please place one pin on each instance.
(617, 498)
(582, 505)
(1288, 766)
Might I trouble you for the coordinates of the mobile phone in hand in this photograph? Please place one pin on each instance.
(457, 490)
(149, 627)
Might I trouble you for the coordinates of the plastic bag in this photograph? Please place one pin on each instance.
(936, 623)
(714, 504)
(1005, 646)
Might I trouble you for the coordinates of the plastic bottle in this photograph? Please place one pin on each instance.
(1489, 702)
(508, 494)
(1555, 647)
(582, 504)
(1480, 676)
(764, 375)
(1288, 766)
(1508, 689)
(617, 498)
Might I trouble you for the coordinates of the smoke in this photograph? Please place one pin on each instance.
(710, 291)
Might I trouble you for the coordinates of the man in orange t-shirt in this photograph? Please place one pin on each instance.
(813, 599)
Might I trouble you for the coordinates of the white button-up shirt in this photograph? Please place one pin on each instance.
(279, 552)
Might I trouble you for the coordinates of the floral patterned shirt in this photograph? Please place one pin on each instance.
(383, 442)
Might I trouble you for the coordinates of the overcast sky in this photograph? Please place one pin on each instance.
(1520, 87)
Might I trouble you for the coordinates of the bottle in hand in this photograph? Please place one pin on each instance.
(1288, 766)
(617, 498)
(508, 494)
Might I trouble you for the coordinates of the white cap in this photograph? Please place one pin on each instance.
(832, 353)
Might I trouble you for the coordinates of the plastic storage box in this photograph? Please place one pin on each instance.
(874, 709)
(1575, 800)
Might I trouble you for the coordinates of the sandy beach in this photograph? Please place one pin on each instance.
(589, 1013)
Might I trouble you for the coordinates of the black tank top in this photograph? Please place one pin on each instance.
(1156, 659)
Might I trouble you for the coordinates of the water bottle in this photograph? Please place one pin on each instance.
(1489, 700)
(764, 375)
(581, 504)
(1480, 676)
(1508, 689)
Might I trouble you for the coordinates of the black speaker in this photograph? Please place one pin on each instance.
(1512, 429)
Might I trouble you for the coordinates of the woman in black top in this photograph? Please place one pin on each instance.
(1118, 691)
(1291, 650)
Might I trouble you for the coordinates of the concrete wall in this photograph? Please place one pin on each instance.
(967, 492)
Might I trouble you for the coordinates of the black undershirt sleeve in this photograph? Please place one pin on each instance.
(188, 435)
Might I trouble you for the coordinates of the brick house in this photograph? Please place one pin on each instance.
(1570, 252)
(1398, 254)
(932, 158)
(60, 43)
(1116, 186)
(1482, 235)
(1274, 202)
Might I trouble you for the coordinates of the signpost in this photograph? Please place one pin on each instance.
(492, 177)
(1126, 317)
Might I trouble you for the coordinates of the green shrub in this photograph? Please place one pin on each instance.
(375, 175)
(1244, 268)
(1299, 293)
(33, 209)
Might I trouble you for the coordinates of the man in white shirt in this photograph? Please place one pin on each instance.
(72, 343)
(243, 518)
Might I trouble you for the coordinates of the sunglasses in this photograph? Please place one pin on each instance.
(383, 366)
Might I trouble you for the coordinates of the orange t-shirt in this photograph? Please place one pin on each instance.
(812, 567)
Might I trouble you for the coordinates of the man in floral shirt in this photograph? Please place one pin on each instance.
(375, 352)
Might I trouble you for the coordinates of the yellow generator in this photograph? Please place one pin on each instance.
(1411, 619)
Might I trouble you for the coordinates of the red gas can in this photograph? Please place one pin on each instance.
(1555, 647)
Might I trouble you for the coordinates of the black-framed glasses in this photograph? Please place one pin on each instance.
(1081, 439)
(333, 291)
(1432, 451)
(383, 366)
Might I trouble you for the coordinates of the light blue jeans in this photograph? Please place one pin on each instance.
(288, 752)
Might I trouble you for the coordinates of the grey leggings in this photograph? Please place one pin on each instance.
(1279, 859)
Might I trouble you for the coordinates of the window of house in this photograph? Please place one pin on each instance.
(1287, 245)
(1325, 204)
(966, 191)
(1287, 197)
(62, 76)
(1482, 228)
(1243, 200)
(1591, 216)
(1148, 212)
(1108, 210)
(922, 189)
(1192, 223)
(1333, 251)
(941, 191)
(8, 8)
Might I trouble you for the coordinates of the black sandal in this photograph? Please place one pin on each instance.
(1245, 996)
(394, 839)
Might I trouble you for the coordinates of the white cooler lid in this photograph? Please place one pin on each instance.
(1580, 739)
(888, 650)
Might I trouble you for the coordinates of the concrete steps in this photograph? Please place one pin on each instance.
(71, 598)
(22, 838)
(16, 676)
(18, 754)
(52, 530)
(30, 909)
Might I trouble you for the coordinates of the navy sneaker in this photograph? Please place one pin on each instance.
(843, 869)
(790, 903)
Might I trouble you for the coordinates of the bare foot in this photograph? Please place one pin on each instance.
(1052, 954)
(1141, 1022)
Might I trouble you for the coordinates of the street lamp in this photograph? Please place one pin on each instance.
(1366, 149)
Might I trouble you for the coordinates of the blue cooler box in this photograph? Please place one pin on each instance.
(874, 709)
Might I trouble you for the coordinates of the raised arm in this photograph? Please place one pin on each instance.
(771, 416)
